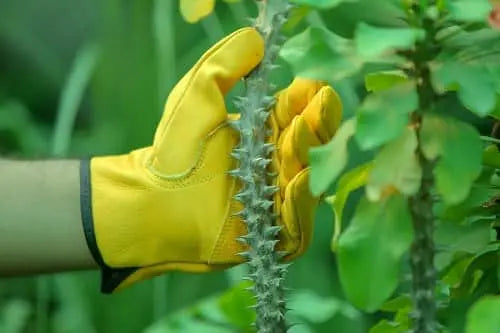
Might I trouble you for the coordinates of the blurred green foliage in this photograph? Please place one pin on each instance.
(431, 69)
(80, 78)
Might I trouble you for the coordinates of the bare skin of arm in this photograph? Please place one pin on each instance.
(40, 223)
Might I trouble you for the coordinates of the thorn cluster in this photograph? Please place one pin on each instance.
(253, 154)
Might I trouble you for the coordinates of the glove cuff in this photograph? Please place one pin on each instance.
(111, 278)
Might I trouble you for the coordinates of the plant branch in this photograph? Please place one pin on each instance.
(422, 254)
(265, 269)
(421, 204)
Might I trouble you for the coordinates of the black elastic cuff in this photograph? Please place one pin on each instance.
(110, 277)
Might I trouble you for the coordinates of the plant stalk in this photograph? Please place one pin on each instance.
(253, 153)
(421, 204)
(422, 254)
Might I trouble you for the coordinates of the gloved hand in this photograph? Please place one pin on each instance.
(169, 206)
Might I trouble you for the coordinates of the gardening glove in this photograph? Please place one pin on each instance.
(170, 206)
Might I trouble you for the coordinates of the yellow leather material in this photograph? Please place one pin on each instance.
(169, 206)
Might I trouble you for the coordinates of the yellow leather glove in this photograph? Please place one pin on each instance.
(170, 206)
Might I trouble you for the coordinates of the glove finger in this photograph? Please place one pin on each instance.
(292, 100)
(196, 105)
(293, 149)
(324, 113)
(297, 216)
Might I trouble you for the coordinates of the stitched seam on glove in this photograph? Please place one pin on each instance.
(186, 178)
(219, 240)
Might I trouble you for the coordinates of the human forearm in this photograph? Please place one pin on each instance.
(40, 224)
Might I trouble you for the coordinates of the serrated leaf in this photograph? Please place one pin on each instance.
(474, 83)
(374, 42)
(322, 4)
(459, 149)
(318, 53)
(349, 182)
(384, 80)
(384, 115)
(469, 10)
(195, 10)
(396, 167)
(372, 246)
(328, 161)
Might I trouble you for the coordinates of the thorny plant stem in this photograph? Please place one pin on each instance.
(265, 270)
(421, 204)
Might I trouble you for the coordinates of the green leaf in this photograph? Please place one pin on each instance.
(371, 248)
(498, 266)
(384, 115)
(480, 47)
(385, 326)
(15, 119)
(315, 309)
(328, 161)
(318, 53)
(384, 80)
(349, 182)
(468, 238)
(459, 149)
(236, 303)
(459, 242)
(454, 268)
(469, 10)
(472, 205)
(15, 315)
(296, 16)
(491, 157)
(396, 167)
(396, 304)
(484, 316)
(485, 261)
(322, 4)
(374, 42)
(474, 83)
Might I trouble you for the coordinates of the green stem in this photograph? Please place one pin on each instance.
(265, 269)
(164, 30)
(490, 139)
(71, 98)
(421, 204)
(213, 27)
(239, 11)
(422, 254)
